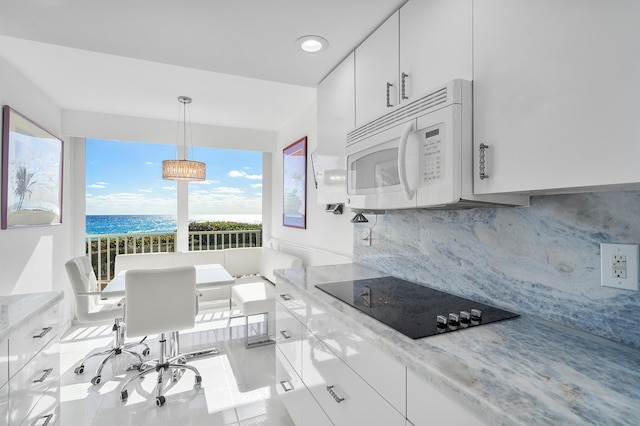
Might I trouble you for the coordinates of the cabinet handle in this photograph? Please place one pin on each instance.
(389, 86)
(402, 86)
(334, 395)
(285, 334)
(285, 297)
(47, 419)
(44, 332)
(483, 175)
(45, 374)
(286, 386)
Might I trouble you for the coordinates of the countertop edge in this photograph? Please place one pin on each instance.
(18, 308)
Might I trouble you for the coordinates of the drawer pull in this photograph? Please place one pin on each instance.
(334, 395)
(45, 374)
(285, 297)
(285, 334)
(44, 332)
(286, 386)
(47, 419)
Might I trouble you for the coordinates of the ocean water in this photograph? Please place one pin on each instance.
(128, 224)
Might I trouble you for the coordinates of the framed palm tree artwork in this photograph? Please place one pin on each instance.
(31, 173)
(294, 174)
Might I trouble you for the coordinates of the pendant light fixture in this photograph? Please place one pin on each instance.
(183, 169)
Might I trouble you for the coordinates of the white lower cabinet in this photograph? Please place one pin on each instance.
(32, 394)
(303, 409)
(345, 397)
(327, 374)
(426, 405)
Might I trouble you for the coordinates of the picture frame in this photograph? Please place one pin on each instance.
(294, 188)
(32, 166)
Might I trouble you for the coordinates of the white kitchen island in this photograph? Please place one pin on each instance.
(523, 371)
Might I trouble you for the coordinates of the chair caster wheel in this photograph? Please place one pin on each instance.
(124, 395)
(160, 401)
(198, 380)
(146, 352)
(95, 380)
(79, 369)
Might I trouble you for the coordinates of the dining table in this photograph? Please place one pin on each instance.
(208, 276)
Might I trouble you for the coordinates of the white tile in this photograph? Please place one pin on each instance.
(237, 385)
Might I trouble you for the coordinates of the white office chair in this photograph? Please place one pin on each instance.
(90, 309)
(160, 301)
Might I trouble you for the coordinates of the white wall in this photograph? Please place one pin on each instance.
(328, 237)
(32, 259)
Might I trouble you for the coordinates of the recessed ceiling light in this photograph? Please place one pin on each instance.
(312, 43)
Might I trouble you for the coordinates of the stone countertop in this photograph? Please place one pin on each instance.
(17, 308)
(521, 371)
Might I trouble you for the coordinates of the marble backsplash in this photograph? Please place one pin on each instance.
(543, 260)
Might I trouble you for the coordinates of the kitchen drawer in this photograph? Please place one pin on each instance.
(4, 362)
(294, 304)
(344, 396)
(289, 337)
(302, 407)
(47, 410)
(427, 405)
(34, 380)
(363, 357)
(4, 404)
(32, 336)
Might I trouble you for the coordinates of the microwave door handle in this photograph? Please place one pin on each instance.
(402, 160)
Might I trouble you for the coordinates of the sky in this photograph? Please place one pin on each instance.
(126, 178)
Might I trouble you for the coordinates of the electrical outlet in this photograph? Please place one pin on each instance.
(619, 266)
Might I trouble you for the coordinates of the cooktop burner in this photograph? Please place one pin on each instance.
(414, 310)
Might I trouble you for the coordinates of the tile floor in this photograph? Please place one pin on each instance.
(238, 385)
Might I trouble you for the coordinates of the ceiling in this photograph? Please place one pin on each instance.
(237, 59)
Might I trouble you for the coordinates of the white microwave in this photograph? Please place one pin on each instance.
(419, 154)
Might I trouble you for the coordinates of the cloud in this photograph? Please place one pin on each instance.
(226, 190)
(149, 163)
(238, 173)
(206, 182)
(98, 185)
(130, 203)
(256, 185)
(145, 190)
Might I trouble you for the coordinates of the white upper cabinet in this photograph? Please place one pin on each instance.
(422, 46)
(377, 60)
(336, 116)
(436, 43)
(556, 94)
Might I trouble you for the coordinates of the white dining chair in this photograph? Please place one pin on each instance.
(89, 308)
(160, 301)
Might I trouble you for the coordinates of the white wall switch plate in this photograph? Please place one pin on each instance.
(619, 266)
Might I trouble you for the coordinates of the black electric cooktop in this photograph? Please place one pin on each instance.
(414, 310)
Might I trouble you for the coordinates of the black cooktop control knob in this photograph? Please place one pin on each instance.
(441, 321)
(454, 319)
(476, 315)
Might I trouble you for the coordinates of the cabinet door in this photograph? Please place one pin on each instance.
(435, 44)
(377, 60)
(556, 93)
(426, 405)
(289, 387)
(342, 394)
(289, 337)
(336, 116)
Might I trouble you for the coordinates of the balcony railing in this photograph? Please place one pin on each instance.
(103, 248)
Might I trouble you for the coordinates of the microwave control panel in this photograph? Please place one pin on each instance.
(433, 153)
